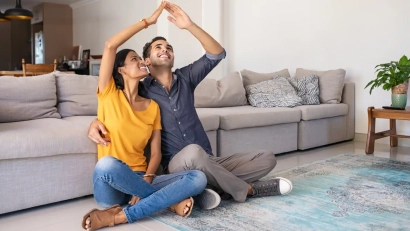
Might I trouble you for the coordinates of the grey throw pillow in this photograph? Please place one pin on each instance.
(277, 92)
(307, 88)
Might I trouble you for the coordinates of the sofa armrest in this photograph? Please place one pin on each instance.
(348, 97)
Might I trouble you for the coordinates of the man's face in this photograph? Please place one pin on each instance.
(162, 55)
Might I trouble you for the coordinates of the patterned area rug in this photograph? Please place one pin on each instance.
(346, 192)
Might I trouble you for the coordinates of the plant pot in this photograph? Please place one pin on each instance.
(399, 95)
(399, 100)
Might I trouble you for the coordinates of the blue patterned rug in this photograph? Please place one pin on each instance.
(346, 192)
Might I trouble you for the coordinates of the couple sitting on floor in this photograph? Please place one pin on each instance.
(160, 109)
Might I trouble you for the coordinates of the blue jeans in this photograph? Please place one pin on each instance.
(115, 183)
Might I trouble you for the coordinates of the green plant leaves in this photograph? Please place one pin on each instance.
(390, 74)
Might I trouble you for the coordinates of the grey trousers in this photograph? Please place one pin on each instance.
(230, 174)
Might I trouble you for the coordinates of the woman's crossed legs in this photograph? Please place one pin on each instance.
(115, 183)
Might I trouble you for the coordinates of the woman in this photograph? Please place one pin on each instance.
(121, 175)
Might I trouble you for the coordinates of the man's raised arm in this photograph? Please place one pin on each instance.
(198, 70)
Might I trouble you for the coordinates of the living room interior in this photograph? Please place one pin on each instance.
(339, 184)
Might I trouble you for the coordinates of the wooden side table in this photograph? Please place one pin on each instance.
(392, 115)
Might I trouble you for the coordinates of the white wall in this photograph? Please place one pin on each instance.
(269, 35)
(95, 21)
(356, 35)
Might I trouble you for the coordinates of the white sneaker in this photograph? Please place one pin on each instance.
(285, 185)
(208, 199)
(272, 187)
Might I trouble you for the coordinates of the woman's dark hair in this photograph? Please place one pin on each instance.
(119, 62)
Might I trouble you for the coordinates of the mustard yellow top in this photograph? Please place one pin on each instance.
(129, 130)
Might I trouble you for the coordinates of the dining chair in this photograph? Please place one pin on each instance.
(37, 69)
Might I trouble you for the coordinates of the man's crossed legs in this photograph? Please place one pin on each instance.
(236, 175)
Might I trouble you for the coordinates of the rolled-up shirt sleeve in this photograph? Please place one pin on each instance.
(198, 70)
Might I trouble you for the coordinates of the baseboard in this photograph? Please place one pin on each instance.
(363, 137)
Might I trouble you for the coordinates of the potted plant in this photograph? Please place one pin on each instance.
(393, 76)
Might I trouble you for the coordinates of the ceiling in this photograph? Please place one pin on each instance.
(28, 4)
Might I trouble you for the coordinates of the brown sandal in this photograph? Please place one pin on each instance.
(101, 218)
(179, 207)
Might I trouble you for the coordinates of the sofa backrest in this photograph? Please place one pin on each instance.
(251, 77)
(226, 92)
(28, 98)
(76, 94)
(331, 83)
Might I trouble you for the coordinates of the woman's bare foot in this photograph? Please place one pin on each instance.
(119, 218)
(187, 207)
(183, 208)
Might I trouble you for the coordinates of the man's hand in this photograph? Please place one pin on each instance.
(94, 133)
(134, 200)
(180, 18)
(154, 17)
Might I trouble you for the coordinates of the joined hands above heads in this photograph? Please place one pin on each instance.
(178, 17)
(154, 17)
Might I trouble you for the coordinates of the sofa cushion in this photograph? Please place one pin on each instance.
(250, 77)
(330, 83)
(43, 137)
(307, 88)
(77, 94)
(314, 112)
(277, 92)
(209, 122)
(248, 116)
(226, 92)
(28, 98)
(81, 120)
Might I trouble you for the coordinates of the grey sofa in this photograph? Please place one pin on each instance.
(46, 156)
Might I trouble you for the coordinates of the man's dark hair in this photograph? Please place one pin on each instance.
(146, 51)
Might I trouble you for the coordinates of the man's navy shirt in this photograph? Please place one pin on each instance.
(180, 122)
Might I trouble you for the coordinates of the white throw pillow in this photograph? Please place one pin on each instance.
(277, 92)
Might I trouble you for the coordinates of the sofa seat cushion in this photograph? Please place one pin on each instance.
(81, 120)
(209, 122)
(43, 137)
(314, 112)
(248, 116)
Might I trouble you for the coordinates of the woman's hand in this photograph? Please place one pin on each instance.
(94, 133)
(154, 17)
(134, 200)
(148, 179)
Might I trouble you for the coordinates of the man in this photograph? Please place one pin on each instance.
(185, 144)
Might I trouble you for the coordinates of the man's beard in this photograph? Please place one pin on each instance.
(161, 65)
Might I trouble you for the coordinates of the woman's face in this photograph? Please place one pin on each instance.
(134, 67)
